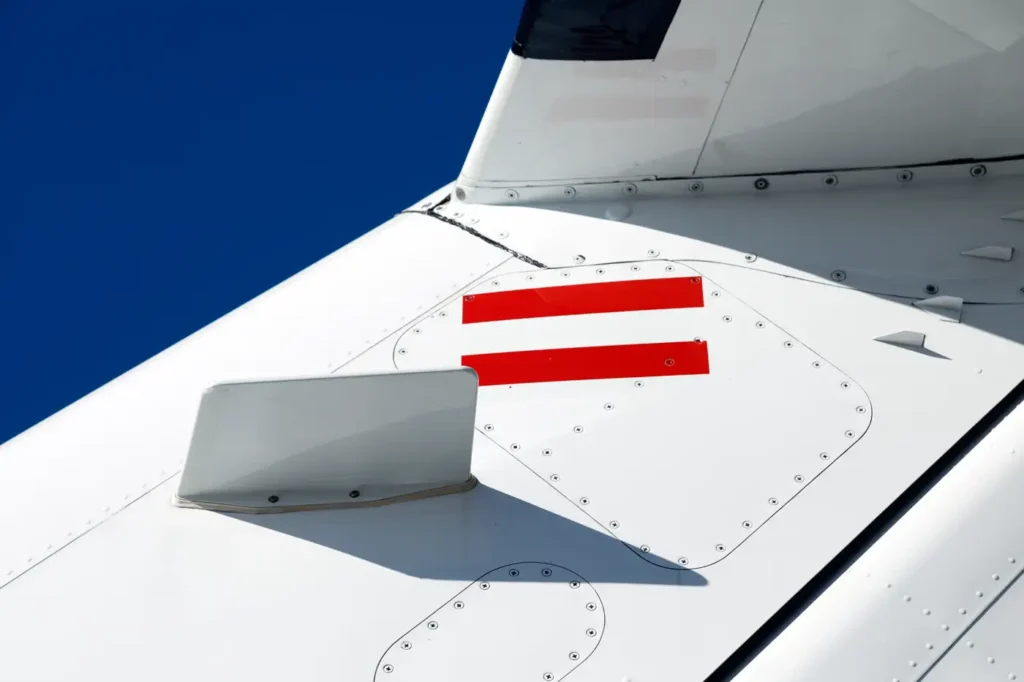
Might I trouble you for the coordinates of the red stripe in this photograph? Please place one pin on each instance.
(595, 362)
(582, 299)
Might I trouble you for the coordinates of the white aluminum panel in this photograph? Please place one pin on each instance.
(932, 598)
(832, 84)
(456, 641)
(561, 120)
(342, 440)
(69, 473)
(681, 468)
(900, 239)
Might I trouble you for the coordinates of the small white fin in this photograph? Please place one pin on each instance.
(990, 252)
(946, 307)
(905, 339)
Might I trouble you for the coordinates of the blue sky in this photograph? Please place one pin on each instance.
(162, 163)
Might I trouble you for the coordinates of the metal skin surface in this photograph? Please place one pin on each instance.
(871, 314)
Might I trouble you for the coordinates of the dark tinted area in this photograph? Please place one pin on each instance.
(579, 30)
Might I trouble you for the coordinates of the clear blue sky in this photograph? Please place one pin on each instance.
(162, 163)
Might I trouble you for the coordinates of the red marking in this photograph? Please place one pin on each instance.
(583, 299)
(594, 362)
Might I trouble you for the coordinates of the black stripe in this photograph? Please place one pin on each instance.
(593, 30)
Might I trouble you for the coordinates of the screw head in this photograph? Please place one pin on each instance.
(904, 176)
(978, 171)
(273, 499)
(353, 494)
(579, 258)
(569, 192)
(931, 289)
(831, 180)
(696, 186)
(407, 645)
(629, 188)
(838, 275)
(761, 184)
(511, 194)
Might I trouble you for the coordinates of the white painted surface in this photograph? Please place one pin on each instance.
(808, 85)
(559, 121)
(339, 440)
(683, 469)
(81, 466)
(933, 591)
(884, 236)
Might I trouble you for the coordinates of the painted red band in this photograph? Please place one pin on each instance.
(594, 362)
(582, 299)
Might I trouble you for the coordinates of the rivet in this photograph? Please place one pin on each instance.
(406, 645)
(459, 605)
(861, 409)
(652, 253)
(565, 274)
(273, 499)
(995, 576)
(927, 612)
(773, 501)
(849, 434)
(669, 362)
(503, 235)
(529, 278)
(928, 646)
(963, 612)
(698, 339)
(1011, 676)
(584, 500)
(830, 180)
(488, 427)
(978, 171)
(579, 258)
(638, 384)
(697, 187)
(931, 289)
(432, 625)
(353, 494)
(515, 446)
(979, 594)
(645, 548)
(634, 268)
(600, 271)
(573, 656)
(798, 478)
(388, 668)
(716, 294)
(945, 627)
(591, 606)
(442, 314)
(824, 455)
(495, 283)
(749, 257)
(761, 184)
(569, 192)
(970, 645)
(402, 351)
(485, 586)
(629, 188)
(609, 406)
(574, 584)
(719, 548)
(904, 176)
(591, 632)
(906, 597)
(816, 365)
(683, 561)
(1012, 560)
(511, 194)
(991, 660)
(546, 452)
(555, 477)
(670, 268)
(788, 344)
(838, 275)
(759, 324)
(726, 318)
(546, 572)
(548, 677)
(747, 524)
(613, 524)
